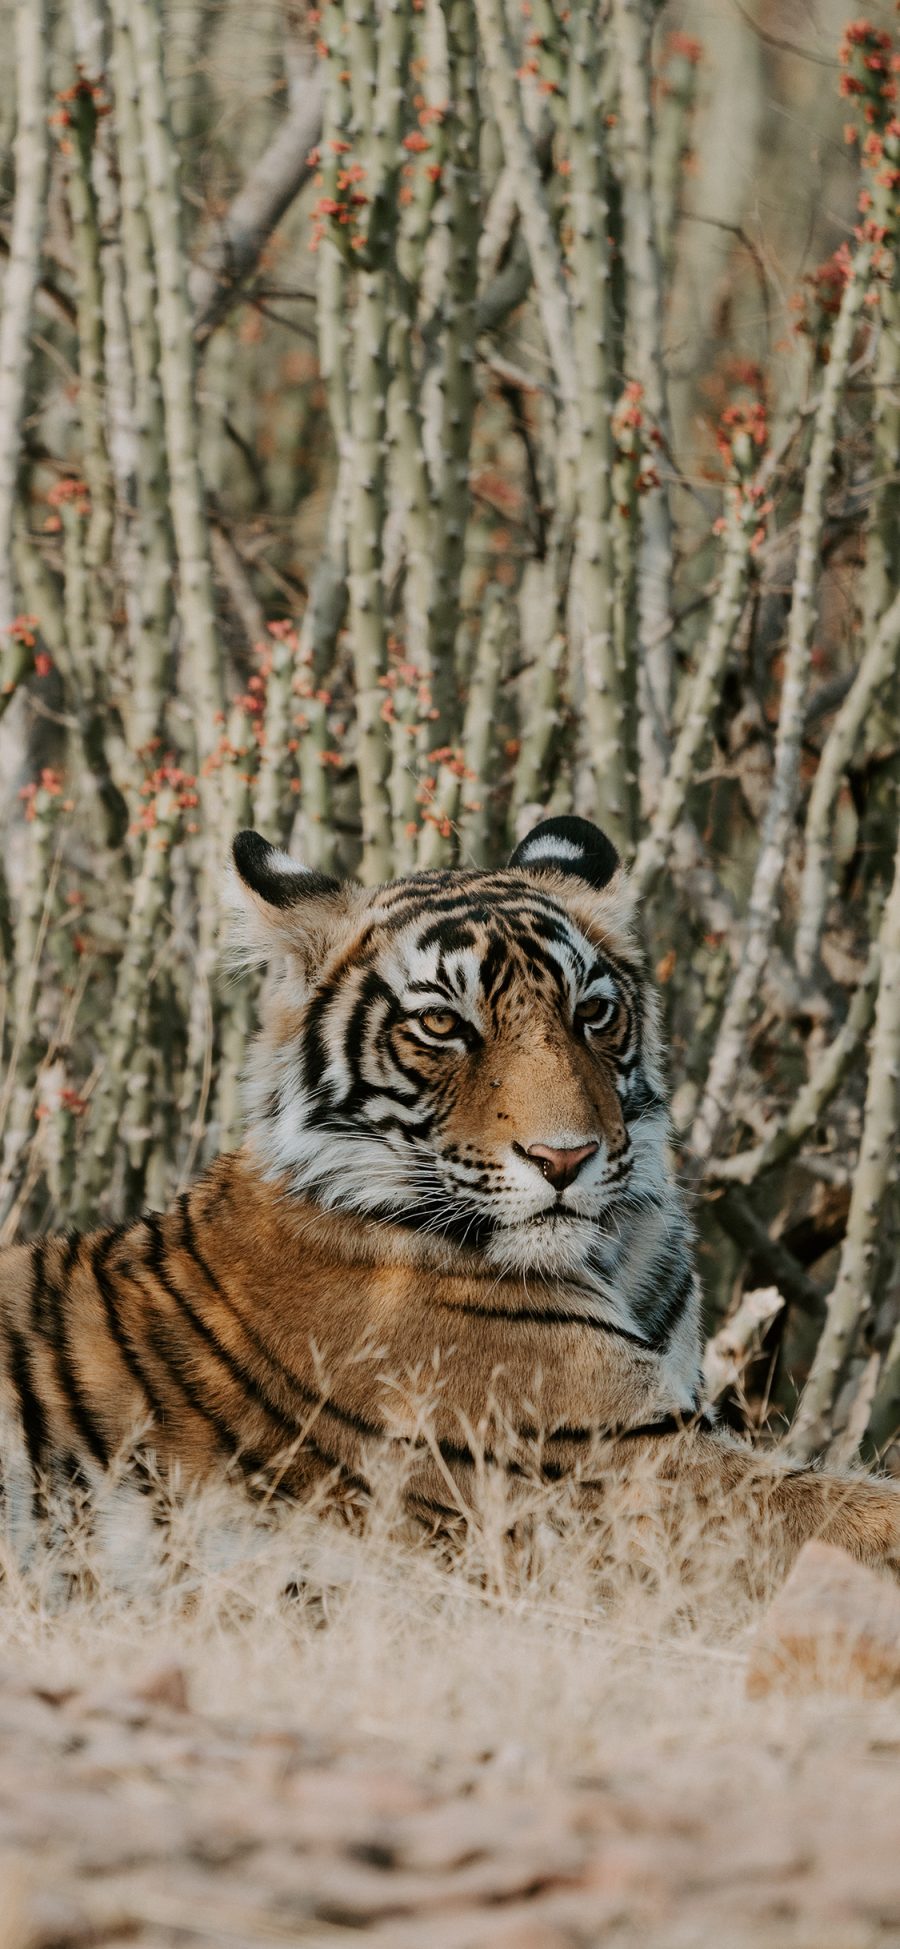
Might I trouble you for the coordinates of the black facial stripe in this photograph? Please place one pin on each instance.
(407, 1067)
(502, 983)
(671, 1294)
(345, 1114)
(560, 933)
(437, 987)
(456, 981)
(539, 957)
(406, 1126)
(372, 988)
(607, 962)
(518, 903)
(641, 1098)
(392, 1061)
(495, 970)
(622, 1166)
(450, 935)
(315, 1054)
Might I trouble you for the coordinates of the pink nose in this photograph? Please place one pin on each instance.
(560, 1167)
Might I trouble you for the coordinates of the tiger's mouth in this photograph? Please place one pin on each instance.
(559, 1219)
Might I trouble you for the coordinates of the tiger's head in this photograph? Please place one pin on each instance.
(473, 1055)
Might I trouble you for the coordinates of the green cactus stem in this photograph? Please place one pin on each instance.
(201, 661)
(763, 907)
(20, 286)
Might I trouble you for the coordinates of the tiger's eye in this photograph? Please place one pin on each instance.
(439, 1021)
(593, 1010)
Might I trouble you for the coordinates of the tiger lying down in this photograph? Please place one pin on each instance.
(452, 1232)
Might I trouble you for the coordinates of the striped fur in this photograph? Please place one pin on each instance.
(382, 1265)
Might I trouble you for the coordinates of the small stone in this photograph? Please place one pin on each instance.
(54, 1694)
(834, 1625)
(166, 1686)
(503, 1934)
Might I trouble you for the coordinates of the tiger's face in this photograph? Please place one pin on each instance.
(469, 1054)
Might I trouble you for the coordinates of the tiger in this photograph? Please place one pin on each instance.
(453, 1233)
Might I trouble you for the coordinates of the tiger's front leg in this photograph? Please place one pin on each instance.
(705, 1486)
(858, 1513)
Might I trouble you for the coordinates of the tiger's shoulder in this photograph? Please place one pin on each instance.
(246, 1324)
(90, 1324)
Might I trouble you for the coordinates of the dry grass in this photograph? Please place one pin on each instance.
(604, 1706)
(450, 1646)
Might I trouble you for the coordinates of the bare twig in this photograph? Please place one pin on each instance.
(875, 672)
(276, 179)
(763, 907)
(852, 1297)
(22, 276)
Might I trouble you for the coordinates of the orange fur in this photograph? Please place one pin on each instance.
(247, 1324)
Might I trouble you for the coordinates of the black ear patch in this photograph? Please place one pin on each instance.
(277, 879)
(568, 846)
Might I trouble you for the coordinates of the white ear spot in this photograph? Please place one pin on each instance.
(280, 862)
(548, 847)
(568, 845)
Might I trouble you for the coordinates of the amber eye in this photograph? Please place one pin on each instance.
(596, 1011)
(439, 1021)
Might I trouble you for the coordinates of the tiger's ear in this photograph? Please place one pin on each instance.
(569, 846)
(272, 877)
(279, 905)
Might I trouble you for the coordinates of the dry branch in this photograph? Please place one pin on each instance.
(202, 673)
(217, 281)
(604, 690)
(644, 352)
(763, 907)
(20, 285)
(785, 1138)
(878, 666)
(852, 1298)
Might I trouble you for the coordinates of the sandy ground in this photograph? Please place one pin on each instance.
(255, 1731)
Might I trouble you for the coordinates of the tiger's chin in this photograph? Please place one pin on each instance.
(556, 1243)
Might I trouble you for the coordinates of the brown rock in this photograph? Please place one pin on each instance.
(834, 1625)
(165, 1686)
(500, 1933)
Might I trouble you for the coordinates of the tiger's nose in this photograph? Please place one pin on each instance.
(560, 1167)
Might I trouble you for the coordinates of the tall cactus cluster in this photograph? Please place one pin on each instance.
(365, 476)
